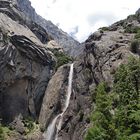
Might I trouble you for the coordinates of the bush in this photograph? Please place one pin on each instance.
(135, 45)
(2, 137)
(127, 86)
(104, 29)
(131, 29)
(95, 133)
(4, 132)
(137, 36)
(29, 124)
(61, 58)
(101, 117)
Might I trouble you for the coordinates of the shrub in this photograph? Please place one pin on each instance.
(95, 133)
(127, 86)
(131, 29)
(104, 29)
(62, 58)
(29, 124)
(137, 36)
(101, 117)
(2, 137)
(134, 48)
(4, 132)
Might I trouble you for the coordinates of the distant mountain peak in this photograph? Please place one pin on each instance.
(69, 44)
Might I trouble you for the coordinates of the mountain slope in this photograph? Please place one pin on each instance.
(26, 66)
(70, 46)
(104, 52)
(33, 90)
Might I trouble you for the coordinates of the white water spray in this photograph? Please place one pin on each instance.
(52, 131)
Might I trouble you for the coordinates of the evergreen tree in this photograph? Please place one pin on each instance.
(124, 101)
(127, 86)
(101, 118)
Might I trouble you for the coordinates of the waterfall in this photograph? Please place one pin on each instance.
(52, 130)
(49, 134)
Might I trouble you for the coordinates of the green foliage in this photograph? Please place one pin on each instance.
(4, 132)
(124, 101)
(137, 36)
(30, 127)
(104, 29)
(61, 58)
(101, 117)
(131, 29)
(2, 137)
(135, 45)
(95, 133)
(29, 124)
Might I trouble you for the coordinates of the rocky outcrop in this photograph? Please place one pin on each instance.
(26, 65)
(138, 14)
(25, 71)
(52, 45)
(104, 51)
(24, 13)
(19, 19)
(70, 46)
(54, 96)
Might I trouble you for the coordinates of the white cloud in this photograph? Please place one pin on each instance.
(86, 15)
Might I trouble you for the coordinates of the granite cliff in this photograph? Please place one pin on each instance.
(104, 51)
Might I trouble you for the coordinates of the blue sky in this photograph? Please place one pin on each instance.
(80, 18)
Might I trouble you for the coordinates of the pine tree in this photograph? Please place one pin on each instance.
(101, 118)
(124, 100)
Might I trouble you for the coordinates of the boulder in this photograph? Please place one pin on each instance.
(18, 125)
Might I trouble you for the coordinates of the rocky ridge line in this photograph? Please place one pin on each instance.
(70, 45)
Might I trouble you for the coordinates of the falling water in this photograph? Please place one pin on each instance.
(49, 134)
(52, 131)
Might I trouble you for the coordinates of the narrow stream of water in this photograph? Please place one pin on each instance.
(52, 130)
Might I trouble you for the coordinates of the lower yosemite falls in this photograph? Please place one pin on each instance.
(55, 126)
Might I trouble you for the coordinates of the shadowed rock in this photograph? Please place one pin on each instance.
(25, 70)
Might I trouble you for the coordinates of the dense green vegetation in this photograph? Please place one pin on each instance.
(1, 133)
(62, 58)
(135, 46)
(101, 118)
(116, 115)
(29, 124)
(4, 132)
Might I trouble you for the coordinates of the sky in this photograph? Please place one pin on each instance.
(80, 18)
